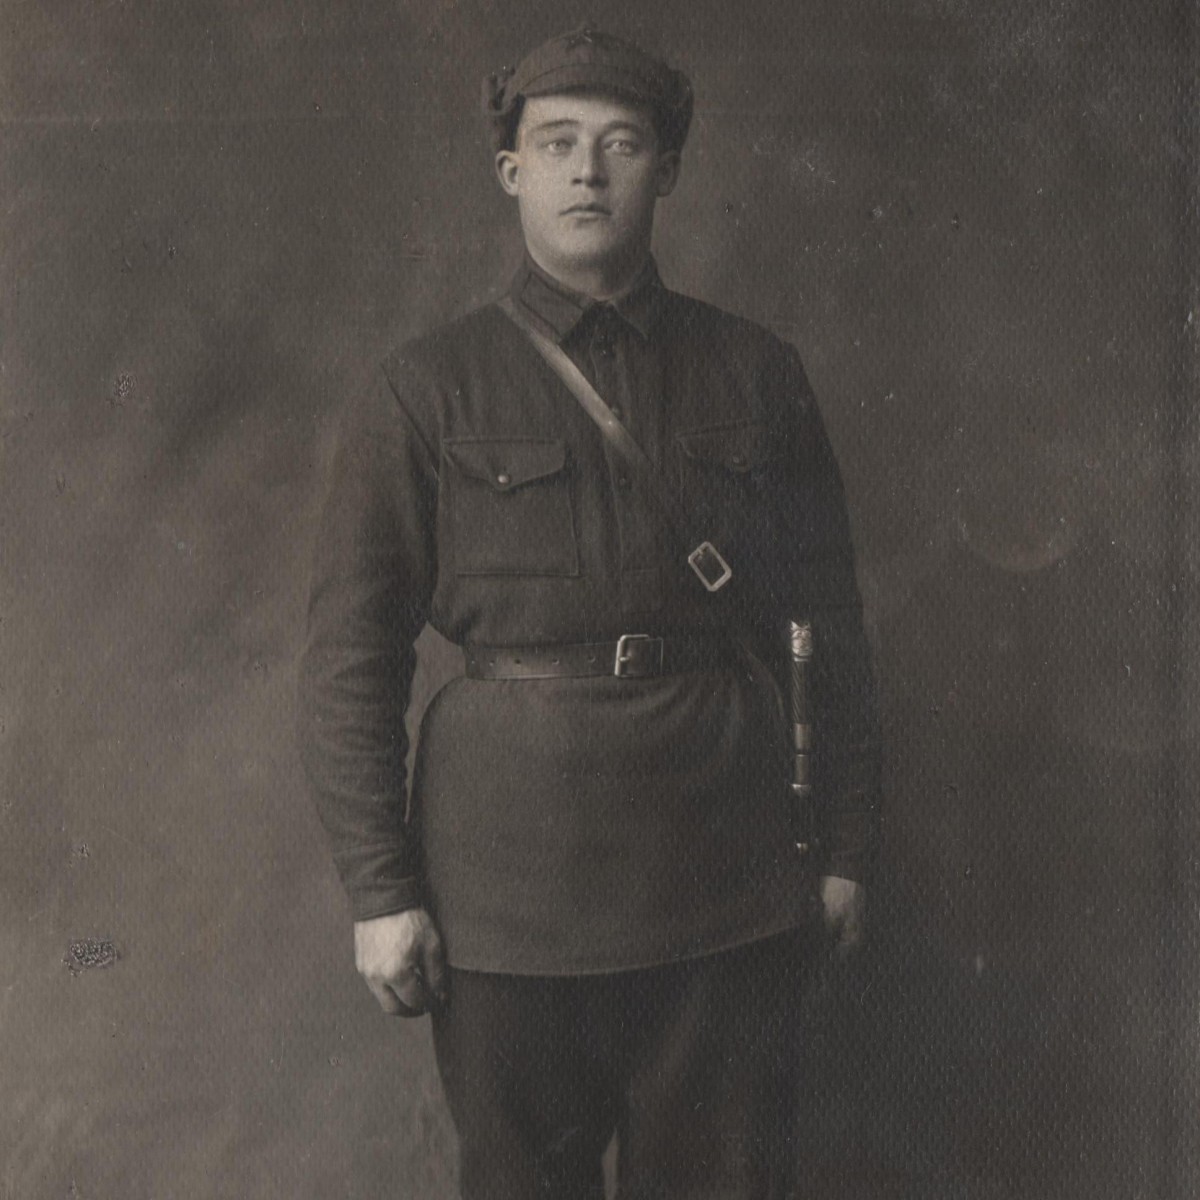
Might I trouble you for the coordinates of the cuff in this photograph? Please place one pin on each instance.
(384, 899)
(379, 880)
(852, 845)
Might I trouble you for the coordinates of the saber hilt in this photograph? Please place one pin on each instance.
(800, 652)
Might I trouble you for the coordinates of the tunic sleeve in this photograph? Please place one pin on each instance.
(824, 591)
(373, 576)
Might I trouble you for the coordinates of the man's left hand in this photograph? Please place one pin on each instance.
(845, 913)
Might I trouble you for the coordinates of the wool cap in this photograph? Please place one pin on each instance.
(588, 60)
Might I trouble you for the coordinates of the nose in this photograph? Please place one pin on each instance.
(589, 165)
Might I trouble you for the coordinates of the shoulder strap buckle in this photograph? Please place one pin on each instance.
(710, 567)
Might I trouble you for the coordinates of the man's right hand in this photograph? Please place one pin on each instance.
(400, 956)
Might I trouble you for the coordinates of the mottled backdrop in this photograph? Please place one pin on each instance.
(969, 216)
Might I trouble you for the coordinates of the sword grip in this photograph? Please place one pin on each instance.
(800, 652)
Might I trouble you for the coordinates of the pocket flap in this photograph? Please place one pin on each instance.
(508, 463)
(741, 447)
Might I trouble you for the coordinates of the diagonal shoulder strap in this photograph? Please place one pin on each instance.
(711, 568)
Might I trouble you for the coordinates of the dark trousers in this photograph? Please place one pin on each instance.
(693, 1065)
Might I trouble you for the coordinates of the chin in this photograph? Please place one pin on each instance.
(588, 248)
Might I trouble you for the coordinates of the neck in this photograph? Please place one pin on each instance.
(605, 281)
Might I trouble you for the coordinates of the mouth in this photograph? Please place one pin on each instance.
(594, 210)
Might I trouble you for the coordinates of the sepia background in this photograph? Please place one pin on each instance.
(972, 220)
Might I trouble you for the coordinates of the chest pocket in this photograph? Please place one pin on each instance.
(728, 458)
(726, 477)
(509, 503)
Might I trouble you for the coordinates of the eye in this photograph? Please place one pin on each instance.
(623, 145)
(557, 145)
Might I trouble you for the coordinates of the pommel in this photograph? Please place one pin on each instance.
(800, 639)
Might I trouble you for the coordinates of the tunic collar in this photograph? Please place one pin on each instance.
(557, 310)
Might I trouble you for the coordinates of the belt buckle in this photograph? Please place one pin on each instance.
(703, 559)
(621, 657)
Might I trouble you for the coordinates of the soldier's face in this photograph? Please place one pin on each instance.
(587, 172)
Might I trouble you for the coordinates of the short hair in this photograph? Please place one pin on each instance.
(504, 126)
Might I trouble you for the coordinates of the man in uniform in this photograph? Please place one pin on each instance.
(600, 886)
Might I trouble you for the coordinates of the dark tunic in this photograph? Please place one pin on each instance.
(585, 824)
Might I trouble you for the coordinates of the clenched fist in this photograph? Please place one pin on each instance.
(400, 956)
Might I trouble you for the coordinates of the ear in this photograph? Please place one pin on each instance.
(507, 163)
(668, 172)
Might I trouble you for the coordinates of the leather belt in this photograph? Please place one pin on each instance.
(632, 656)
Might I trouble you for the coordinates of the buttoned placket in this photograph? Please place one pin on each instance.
(614, 345)
(623, 367)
